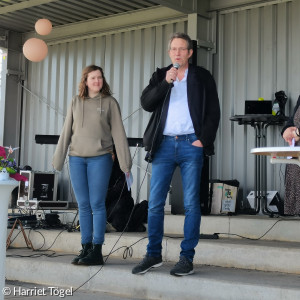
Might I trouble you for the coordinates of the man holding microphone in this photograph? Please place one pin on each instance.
(185, 117)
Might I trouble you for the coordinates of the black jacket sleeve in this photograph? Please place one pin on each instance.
(204, 106)
(211, 112)
(154, 94)
(155, 99)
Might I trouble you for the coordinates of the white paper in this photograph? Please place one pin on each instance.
(292, 145)
(129, 180)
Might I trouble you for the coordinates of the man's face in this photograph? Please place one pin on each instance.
(179, 52)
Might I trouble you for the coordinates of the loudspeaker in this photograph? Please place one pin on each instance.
(177, 207)
(45, 186)
(273, 201)
(40, 191)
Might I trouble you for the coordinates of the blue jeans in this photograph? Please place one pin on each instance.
(175, 151)
(90, 178)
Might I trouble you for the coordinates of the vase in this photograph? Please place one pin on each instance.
(4, 175)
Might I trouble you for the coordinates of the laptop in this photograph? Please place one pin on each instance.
(258, 107)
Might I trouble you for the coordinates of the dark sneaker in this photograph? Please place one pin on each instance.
(183, 267)
(146, 264)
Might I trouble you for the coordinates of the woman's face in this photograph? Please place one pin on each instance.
(94, 82)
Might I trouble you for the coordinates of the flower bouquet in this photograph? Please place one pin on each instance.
(8, 166)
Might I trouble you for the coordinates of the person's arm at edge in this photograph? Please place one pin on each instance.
(64, 140)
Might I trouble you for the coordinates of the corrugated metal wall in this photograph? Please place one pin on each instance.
(258, 55)
(128, 58)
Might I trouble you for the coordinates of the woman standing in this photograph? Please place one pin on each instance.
(92, 126)
(292, 172)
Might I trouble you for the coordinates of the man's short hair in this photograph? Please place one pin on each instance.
(181, 35)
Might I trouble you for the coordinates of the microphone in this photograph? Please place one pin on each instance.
(176, 66)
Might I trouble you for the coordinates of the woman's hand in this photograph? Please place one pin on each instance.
(289, 134)
(296, 134)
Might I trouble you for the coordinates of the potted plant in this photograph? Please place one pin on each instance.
(8, 166)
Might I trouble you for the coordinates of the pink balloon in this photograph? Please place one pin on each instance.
(43, 26)
(35, 49)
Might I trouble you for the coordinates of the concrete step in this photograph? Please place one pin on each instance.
(250, 226)
(274, 256)
(207, 283)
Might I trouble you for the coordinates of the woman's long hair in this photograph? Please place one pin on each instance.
(83, 89)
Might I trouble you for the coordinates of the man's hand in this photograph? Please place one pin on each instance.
(171, 75)
(197, 143)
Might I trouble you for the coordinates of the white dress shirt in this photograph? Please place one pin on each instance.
(179, 120)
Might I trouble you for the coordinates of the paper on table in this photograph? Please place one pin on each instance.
(292, 145)
(129, 180)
